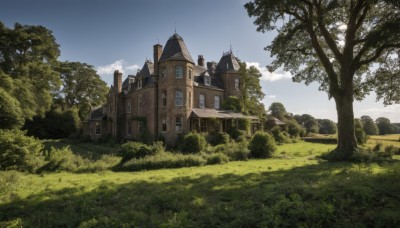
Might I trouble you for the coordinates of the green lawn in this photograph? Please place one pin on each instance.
(385, 140)
(292, 189)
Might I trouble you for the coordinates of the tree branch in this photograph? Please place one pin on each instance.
(377, 54)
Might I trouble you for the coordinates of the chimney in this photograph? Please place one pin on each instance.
(117, 81)
(200, 61)
(157, 51)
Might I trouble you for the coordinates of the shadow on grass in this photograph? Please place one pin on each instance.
(316, 195)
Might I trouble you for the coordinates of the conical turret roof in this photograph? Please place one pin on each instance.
(175, 49)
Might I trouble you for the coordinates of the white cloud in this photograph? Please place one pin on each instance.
(268, 76)
(271, 96)
(106, 72)
(391, 112)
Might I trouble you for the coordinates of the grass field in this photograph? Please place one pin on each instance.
(385, 140)
(292, 189)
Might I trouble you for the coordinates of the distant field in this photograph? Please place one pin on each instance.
(292, 189)
(385, 140)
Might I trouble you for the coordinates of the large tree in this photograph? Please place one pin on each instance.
(338, 43)
(384, 125)
(82, 87)
(251, 91)
(28, 57)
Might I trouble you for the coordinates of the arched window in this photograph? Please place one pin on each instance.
(236, 83)
(164, 98)
(163, 73)
(163, 123)
(178, 72)
(97, 130)
(178, 98)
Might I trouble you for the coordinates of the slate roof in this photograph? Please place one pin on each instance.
(200, 72)
(228, 62)
(222, 114)
(175, 49)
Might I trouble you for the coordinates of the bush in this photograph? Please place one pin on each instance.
(217, 158)
(162, 160)
(236, 151)
(279, 136)
(218, 138)
(193, 143)
(19, 152)
(135, 150)
(262, 145)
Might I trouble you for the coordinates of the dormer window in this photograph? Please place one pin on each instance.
(178, 72)
(236, 84)
(207, 80)
(139, 83)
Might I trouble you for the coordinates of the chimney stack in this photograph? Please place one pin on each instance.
(200, 61)
(157, 51)
(117, 81)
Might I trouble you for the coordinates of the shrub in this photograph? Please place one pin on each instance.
(162, 160)
(217, 158)
(262, 145)
(135, 150)
(218, 138)
(279, 136)
(359, 132)
(244, 124)
(193, 143)
(19, 152)
(237, 151)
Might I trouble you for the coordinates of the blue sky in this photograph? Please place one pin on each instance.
(120, 34)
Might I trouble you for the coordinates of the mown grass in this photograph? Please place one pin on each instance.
(296, 189)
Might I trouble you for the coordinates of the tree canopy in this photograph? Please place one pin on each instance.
(369, 125)
(28, 56)
(344, 45)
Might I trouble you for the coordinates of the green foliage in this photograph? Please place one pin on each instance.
(327, 126)
(294, 129)
(193, 143)
(217, 158)
(214, 125)
(278, 135)
(309, 123)
(19, 152)
(359, 132)
(56, 124)
(231, 103)
(384, 126)
(244, 124)
(369, 125)
(136, 150)
(262, 145)
(251, 91)
(235, 151)
(163, 160)
(82, 87)
(29, 57)
(218, 138)
(277, 110)
(11, 116)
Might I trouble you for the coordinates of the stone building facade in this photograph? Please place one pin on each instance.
(169, 96)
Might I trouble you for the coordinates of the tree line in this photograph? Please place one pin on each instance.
(38, 92)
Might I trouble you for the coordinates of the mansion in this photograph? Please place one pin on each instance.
(169, 96)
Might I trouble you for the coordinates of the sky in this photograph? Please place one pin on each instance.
(120, 34)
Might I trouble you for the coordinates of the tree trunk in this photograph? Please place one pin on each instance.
(347, 142)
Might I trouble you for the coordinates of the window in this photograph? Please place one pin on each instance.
(178, 98)
(207, 80)
(139, 83)
(203, 125)
(201, 101)
(164, 123)
(164, 98)
(236, 83)
(139, 101)
(178, 72)
(128, 106)
(98, 128)
(141, 126)
(163, 73)
(190, 74)
(190, 99)
(129, 128)
(217, 102)
(178, 123)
